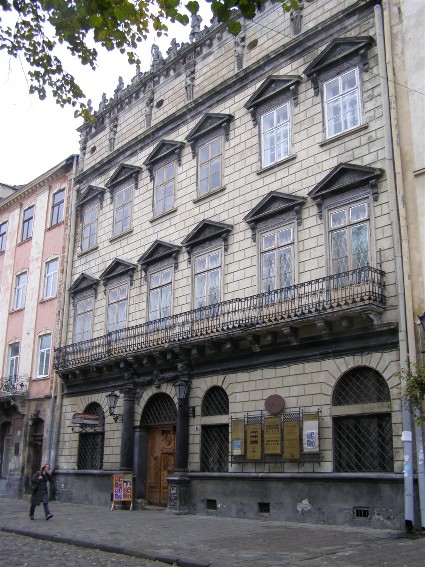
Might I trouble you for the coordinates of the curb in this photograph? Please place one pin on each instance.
(169, 559)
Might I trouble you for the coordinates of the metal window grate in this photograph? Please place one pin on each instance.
(215, 402)
(90, 451)
(363, 443)
(211, 504)
(361, 386)
(264, 507)
(96, 409)
(159, 409)
(361, 513)
(215, 448)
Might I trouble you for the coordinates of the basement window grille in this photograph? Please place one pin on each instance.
(361, 513)
(211, 504)
(264, 507)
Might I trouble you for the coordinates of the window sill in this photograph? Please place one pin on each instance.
(37, 378)
(17, 310)
(276, 164)
(118, 236)
(24, 241)
(46, 299)
(344, 134)
(51, 227)
(209, 194)
(164, 214)
(84, 252)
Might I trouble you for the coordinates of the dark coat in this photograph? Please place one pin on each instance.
(39, 488)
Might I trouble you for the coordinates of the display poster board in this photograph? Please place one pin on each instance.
(272, 436)
(311, 433)
(291, 440)
(238, 436)
(122, 489)
(253, 441)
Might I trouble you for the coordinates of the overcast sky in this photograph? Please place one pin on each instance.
(37, 135)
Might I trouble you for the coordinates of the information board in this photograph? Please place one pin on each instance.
(122, 489)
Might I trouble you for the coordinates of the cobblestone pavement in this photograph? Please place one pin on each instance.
(204, 541)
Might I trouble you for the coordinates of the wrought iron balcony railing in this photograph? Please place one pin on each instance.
(345, 291)
(13, 386)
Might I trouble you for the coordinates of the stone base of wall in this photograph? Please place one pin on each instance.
(84, 487)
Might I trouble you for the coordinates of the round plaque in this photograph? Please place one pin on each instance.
(274, 404)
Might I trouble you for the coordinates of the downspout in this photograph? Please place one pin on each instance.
(384, 51)
(65, 314)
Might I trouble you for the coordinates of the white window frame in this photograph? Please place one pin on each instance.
(50, 284)
(58, 209)
(3, 235)
(44, 356)
(116, 325)
(198, 272)
(285, 125)
(86, 318)
(13, 361)
(91, 225)
(160, 205)
(126, 208)
(208, 163)
(20, 290)
(164, 287)
(339, 100)
(288, 244)
(27, 223)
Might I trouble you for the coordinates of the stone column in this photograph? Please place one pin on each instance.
(127, 433)
(140, 460)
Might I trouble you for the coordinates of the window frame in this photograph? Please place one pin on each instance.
(89, 208)
(358, 90)
(46, 353)
(48, 277)
(275, 229)
(110, 289)
(263, 112)
(118, 190)
(58, 209)
(20, 291)
(203, 143)
(197, 256)
(78, 300)
(151, 274)
(27, 224)
(156, 170)
(16, 360)
(3, 235)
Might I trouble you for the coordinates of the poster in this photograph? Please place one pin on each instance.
(253, 440)
(122, 489)
(238, 435)
(291, 441)
(272, 436)
(311, 433)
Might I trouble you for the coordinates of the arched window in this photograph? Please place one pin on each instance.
(159, 410)
(215, 436)
(91, 443)
(361, 411)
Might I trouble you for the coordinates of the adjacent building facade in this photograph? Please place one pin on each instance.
(33, 224)
(234, 325)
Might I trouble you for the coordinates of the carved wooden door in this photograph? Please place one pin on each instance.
(161, 447)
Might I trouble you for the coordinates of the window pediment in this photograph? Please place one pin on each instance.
(83, 283)
(209, 123)
(204, 231)
(344, 177)
(158, 251)
(273, 87)
(90, 193)
(116, 269)
(123, 173)
(165, 149)
(274, 203)
(339, 50)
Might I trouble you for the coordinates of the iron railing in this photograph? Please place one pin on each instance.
(13, 385)
(364, 286)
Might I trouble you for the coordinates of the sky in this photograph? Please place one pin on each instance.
(37, 135)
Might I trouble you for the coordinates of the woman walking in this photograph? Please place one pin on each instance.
(39, 491)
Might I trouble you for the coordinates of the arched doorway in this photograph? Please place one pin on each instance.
(159, 419)
(6, 448)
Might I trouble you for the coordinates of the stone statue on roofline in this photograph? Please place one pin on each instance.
(157, 58)
(172, 50)
(195, 24)
(189, 83)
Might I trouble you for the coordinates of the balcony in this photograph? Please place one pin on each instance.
(13, 386)
(353, 292)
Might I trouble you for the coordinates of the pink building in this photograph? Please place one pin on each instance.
(34, 225)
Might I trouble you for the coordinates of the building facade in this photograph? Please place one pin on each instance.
(33, 224)
(233, 333)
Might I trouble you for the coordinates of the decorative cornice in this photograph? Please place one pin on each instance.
(209, 123)
(90, 193)
(116, 269)
(158, 251)
(83, 283)
(274, 86)
(204, 231)
(163, 150)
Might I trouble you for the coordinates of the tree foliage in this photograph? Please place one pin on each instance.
(83, 25)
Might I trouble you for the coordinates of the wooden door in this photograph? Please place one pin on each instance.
(161, 448)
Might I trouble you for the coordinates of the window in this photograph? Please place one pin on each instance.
(117, 308)
(83, 320)
(91, 444)
(44, 349)
(275, 134)
(27, 223)
(209, 166)
(122, 212)
(58, 207)
(277, 262)
(164, 189)
(160, 295)
(349, 238)
(215, 438)
(207, 280)
(362, 441)
(51, 279)
(20, 289)
(13, 362)
(342, 103)
(3, 233)
(89, 232)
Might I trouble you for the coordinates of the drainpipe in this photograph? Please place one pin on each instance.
(69, 254)
(399, 230)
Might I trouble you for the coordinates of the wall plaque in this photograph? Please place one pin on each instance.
(272, 436)
(274, 404)
(291, 441)
(253, 439)
(238, 437)
(311, 433)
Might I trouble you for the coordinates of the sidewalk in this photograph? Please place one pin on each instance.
(200, 541)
